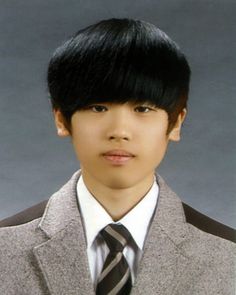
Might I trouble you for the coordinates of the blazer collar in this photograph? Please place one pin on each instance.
(164, 264)
(61, 209)
(63, 257)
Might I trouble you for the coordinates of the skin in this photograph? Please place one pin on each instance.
(139, 129)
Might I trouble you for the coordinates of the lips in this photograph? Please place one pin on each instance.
(119, 153)
(118, 157)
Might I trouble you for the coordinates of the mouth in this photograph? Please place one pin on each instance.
(118, 157)
(121, 153)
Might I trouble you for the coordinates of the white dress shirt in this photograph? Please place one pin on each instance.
(95, 218)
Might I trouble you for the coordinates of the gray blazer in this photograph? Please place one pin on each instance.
(48, 254)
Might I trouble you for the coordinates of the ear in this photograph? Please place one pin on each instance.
(174, 134)
(60, 124)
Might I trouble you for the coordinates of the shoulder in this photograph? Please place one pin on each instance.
(20, 230)
(208, 225)
(211, 247)
(37, 210)
(196, 221)
(25, 216)
(16, 256)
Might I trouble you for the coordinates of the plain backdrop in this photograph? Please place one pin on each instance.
(34, 162)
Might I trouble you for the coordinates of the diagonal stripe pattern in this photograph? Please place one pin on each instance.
(115, 278)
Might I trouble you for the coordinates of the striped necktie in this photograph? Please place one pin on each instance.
(115, 278)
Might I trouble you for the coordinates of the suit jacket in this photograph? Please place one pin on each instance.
(47, 255)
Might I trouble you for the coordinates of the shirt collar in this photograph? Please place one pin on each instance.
(95, 217)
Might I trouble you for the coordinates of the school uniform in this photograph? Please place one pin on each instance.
(44, 250)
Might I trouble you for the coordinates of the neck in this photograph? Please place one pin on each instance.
(117, 202)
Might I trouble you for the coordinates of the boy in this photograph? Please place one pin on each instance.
(119, 89)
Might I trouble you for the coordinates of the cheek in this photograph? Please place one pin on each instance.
(84, 134)
(156, 138)
(155, 147)
(84, 141)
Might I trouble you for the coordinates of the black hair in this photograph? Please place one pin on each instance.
(119, 60)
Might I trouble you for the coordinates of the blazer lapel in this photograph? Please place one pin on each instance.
(63, 258)
(164, 264)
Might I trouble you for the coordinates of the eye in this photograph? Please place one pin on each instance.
(144, 109)
(97, 108)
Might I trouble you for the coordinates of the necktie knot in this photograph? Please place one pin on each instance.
(116, 237)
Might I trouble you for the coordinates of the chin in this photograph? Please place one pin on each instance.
(119, 182)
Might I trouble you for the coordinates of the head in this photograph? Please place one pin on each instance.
(119, 64)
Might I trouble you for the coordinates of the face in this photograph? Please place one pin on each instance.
(137, 129)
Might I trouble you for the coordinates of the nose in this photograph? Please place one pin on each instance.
(119, 128)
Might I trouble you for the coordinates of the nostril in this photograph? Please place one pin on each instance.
(118, 138)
